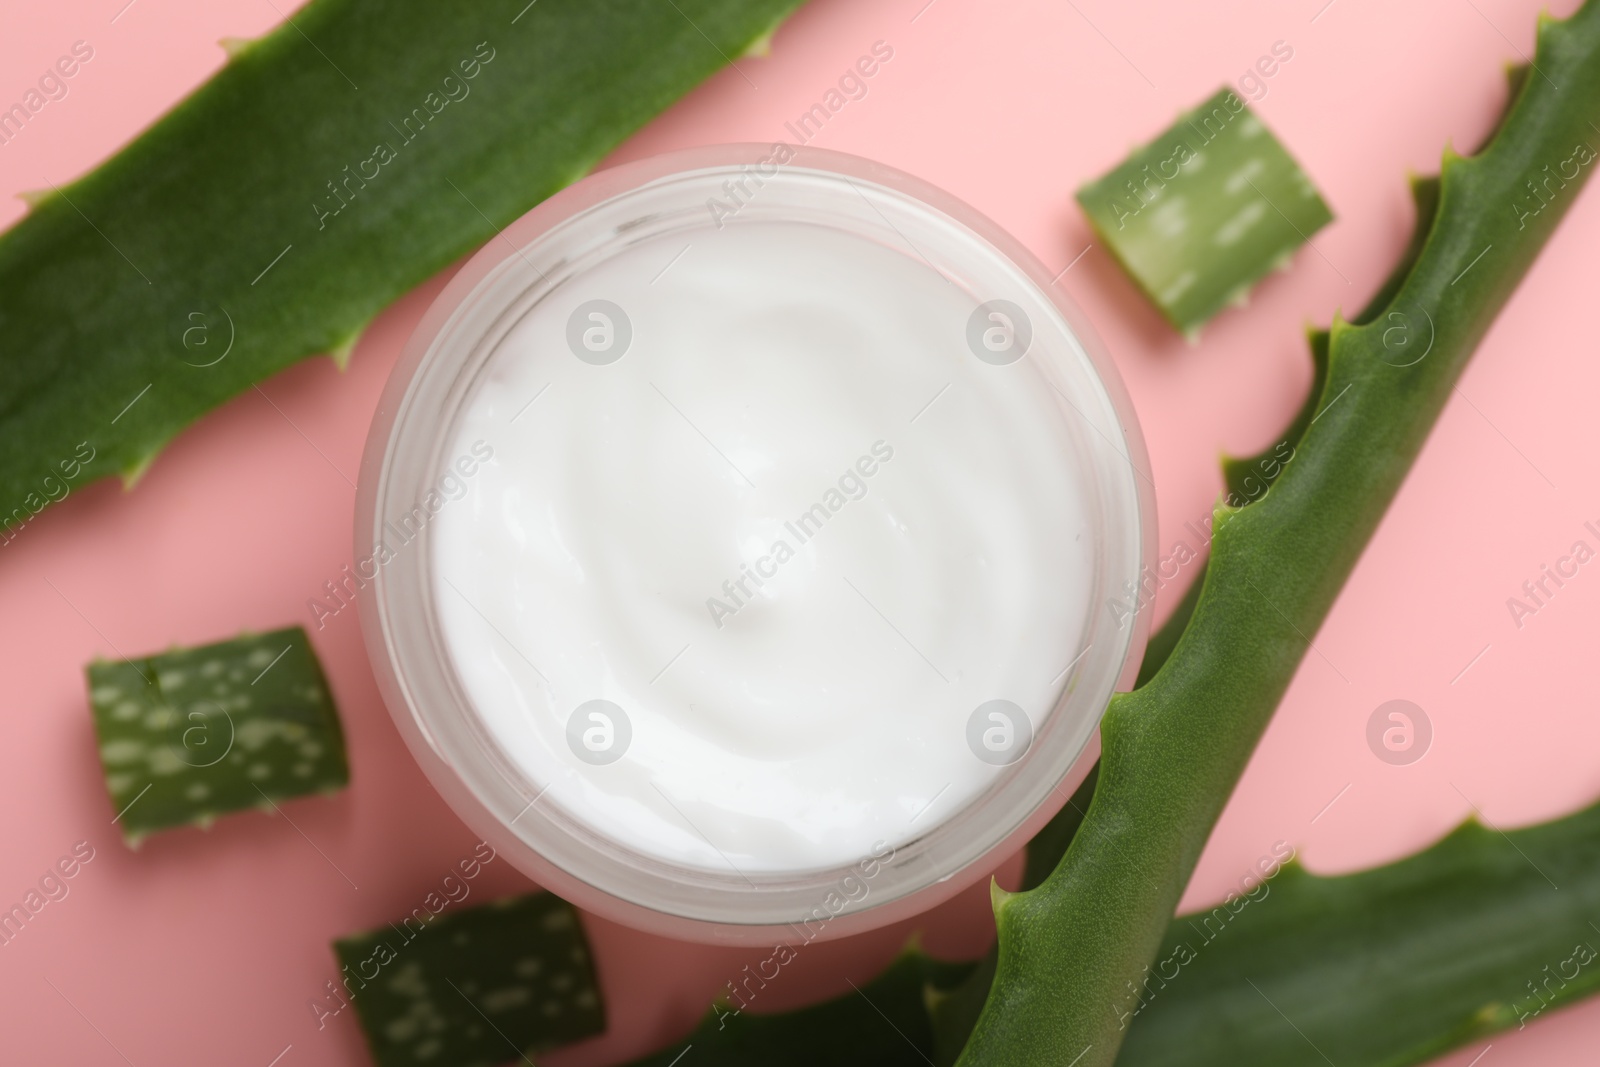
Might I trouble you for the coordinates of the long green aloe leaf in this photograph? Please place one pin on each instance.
(1173, 749)
(1480, 933)
(326, 169)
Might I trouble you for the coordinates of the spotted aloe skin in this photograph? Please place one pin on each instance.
(473, 988)
(191, 734)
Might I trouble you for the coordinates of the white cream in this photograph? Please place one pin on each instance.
(604, 552)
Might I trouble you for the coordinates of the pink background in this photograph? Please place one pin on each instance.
(204, 947)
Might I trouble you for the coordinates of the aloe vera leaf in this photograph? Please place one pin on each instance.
(476, 987)
(882, 1023)
(238, 235)
(1386, 967)
(1173, 749)
(191, 734)
(1205, 209)
(1246, 478)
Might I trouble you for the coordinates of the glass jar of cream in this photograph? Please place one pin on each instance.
(746, 537)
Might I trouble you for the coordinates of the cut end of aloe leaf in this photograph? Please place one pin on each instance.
(1201, 213)
(476, 987)
(191, 734)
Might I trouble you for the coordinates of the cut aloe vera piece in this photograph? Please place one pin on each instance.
(191, 734)
(1199, 214)
(472, 988)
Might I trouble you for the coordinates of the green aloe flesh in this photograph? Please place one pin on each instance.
(329, 167)
(1172, 750)
(472, 988)
(191, 734)
(1200, 213)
